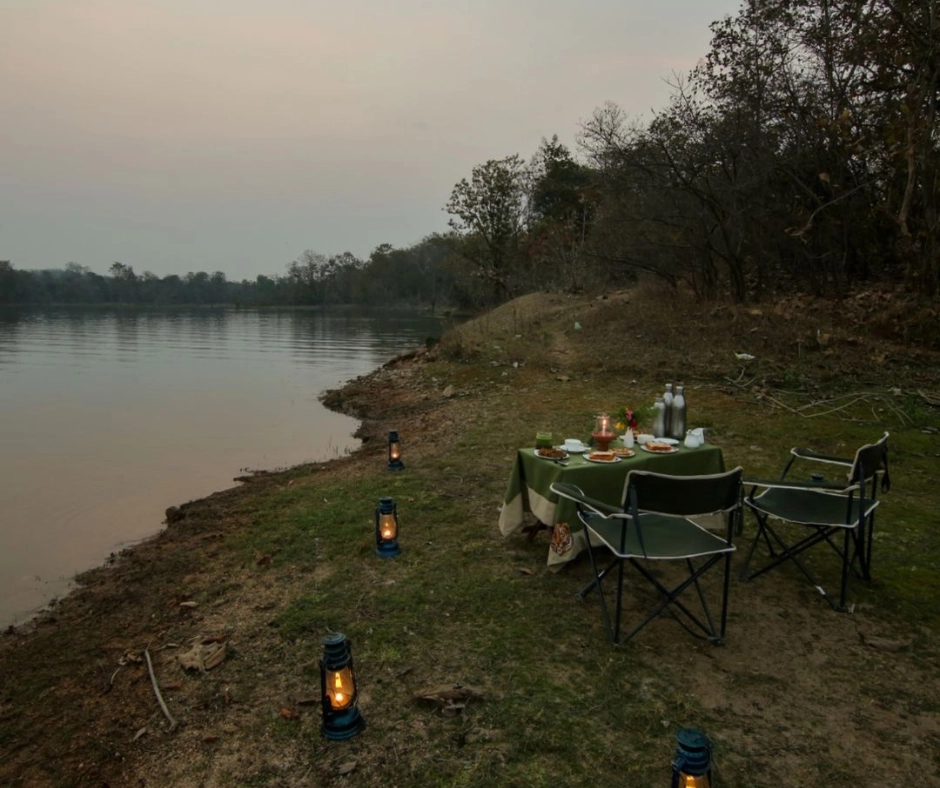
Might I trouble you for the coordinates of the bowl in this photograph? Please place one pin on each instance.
(645, 438)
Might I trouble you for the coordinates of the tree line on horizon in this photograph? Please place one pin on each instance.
(800, 155)
(416, 275)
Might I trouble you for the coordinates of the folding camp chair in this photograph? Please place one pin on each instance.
(825, 508)
(653, 525)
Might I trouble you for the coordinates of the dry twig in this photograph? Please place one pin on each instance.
(851, 399)
(156, 691)
(930, 399)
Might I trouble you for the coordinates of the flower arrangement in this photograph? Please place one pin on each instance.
(626, 420)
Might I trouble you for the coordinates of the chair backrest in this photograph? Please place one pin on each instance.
(683, 496)
(871, 459)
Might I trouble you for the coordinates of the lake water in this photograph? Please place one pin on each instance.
(108, 417)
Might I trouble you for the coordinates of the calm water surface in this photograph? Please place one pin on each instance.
(109, 417)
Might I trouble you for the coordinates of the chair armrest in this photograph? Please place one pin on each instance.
(809, 454)
(573, 493)
(812, 486)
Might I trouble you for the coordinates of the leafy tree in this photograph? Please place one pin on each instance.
(801, 152)
(562, 206)
(488, 215)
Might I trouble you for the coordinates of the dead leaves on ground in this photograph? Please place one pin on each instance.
(451, 698)
(208, 653)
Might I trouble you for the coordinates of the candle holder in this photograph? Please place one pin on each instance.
(341, 718)
(603, 432)
(394, 452)
(386, 529)
(692, 763)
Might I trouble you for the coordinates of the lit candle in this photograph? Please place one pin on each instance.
(387, 526)
(341, 688)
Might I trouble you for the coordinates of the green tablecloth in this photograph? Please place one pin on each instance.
(529, 489)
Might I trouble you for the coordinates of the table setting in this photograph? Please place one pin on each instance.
(599, 466)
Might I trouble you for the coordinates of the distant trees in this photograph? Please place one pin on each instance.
(802, 153)
(7, 282)
(419, 275)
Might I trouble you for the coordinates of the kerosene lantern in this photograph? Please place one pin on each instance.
(341, 718)
(386, 528)
(692, 763)
(394, 452)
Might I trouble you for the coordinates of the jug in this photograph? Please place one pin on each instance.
(692, 440)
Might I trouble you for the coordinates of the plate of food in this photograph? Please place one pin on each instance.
(549, 453)
(601, 456)
(623, 452)
(659, 446)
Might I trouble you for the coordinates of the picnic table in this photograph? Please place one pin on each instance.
(529, 490)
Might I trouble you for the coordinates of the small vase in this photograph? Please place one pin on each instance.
(628, 439)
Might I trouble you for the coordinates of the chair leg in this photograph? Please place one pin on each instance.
(671, 597)
(790, 552)
(619, 601)
(596, 583)
(846, 565)
(726, 582)
(751, 550)
(869, 533)
(701, 597)
(762, 529)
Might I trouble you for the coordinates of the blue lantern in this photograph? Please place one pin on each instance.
(341, 718)
(394, 452)
(692, 763)
(386, 528)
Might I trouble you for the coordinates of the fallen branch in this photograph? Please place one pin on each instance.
(156, 691)
(782, 404)
(832, 410)
(848, 400)
(858, 394)
(930, 399)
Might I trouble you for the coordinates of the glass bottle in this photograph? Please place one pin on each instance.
(677, 427)
(659, 420)
(667, 421)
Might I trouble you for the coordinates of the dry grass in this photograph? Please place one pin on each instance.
(798, 696)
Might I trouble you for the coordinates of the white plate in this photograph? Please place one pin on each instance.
(565, 457)
(603, 462)
(670, 441)
(625, 456)
(672, 449)
(573, 451)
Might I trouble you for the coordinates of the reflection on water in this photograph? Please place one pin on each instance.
(107, 417)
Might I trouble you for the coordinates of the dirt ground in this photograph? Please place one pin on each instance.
(76, 702)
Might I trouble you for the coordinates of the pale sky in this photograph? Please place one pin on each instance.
(204, 135)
